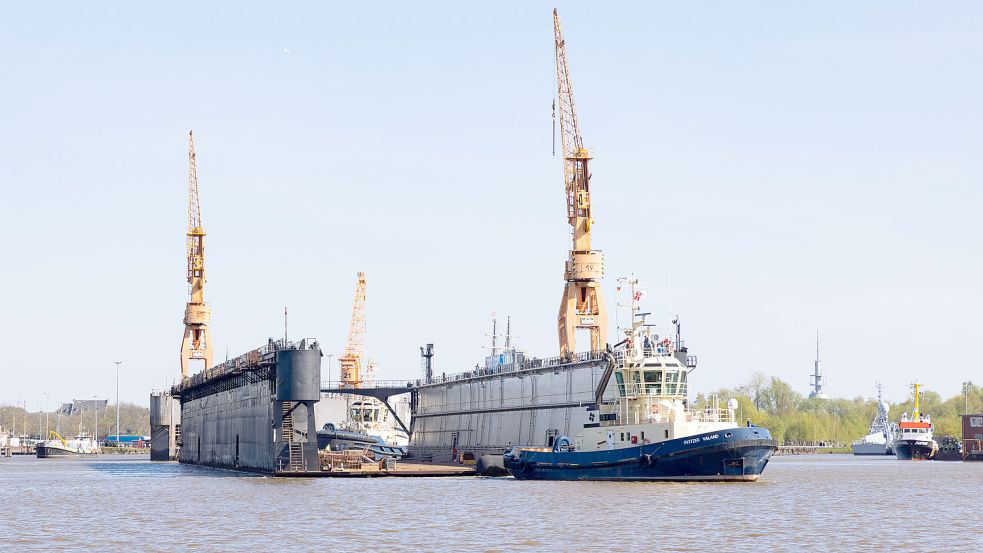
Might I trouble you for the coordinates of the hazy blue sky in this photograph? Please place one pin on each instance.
(770, 168)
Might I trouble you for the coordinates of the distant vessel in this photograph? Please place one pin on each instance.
(83, 444)
(880, 440)
(369, 416)
(950, 449)
(650, 433)
(331, 438)
(913, 439)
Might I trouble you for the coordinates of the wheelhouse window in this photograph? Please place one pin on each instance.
(672, 383)
(653, 382)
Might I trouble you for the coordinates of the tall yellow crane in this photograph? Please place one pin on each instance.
(197, 342)
(582, 305)
(351, 360)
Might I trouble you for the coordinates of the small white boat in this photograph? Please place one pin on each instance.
(83, 444)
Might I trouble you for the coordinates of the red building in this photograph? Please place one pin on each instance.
(973, 437)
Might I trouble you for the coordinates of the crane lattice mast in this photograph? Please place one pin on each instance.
(351, 360)
(197, 341)
(582, 305)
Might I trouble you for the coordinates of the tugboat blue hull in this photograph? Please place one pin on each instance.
(735, 454)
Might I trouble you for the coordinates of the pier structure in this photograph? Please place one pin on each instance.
(381, 390)
(165, 426)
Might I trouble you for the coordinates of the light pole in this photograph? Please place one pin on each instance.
(95, 409)
(118, 363)
(330, 355)
(966, 398)
(47, 400)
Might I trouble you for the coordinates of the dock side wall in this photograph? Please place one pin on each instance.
(491, 413)
(231, 428)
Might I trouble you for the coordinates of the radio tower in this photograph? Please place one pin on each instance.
(351, 360)
(197, 342)
(582, 305)
(818, 380)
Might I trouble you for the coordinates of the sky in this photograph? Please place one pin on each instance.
(766, 169)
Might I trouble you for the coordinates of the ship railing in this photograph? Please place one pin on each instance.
(667, 390)
(711, 415)
(504, 368)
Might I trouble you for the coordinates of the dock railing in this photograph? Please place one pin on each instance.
(526, 364)
(248, 359)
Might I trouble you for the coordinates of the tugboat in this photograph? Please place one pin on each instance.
(880, 440)
(83, 444)
(913, 440)
(330, 438)
(649, 433)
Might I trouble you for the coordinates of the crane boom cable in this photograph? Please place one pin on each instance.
(196, 243)
(571, 142)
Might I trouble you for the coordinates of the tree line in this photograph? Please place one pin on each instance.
(793, 419)
(133, 420)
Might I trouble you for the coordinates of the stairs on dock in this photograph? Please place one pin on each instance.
(295, 462)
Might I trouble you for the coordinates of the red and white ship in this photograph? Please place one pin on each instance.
(914, 439)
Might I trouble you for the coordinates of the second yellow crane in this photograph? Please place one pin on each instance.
(351, 360)
(197, 341)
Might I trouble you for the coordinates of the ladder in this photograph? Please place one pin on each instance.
(294, 449)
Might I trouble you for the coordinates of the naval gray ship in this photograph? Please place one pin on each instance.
(880, 437)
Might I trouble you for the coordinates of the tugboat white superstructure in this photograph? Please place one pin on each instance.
(649, 433)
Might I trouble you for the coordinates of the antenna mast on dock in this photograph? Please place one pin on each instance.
(197, 341)
(582, 305)
(351, 360)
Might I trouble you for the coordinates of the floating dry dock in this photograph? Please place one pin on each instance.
(256, 413)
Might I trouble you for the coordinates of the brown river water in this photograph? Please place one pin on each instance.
(802, 503)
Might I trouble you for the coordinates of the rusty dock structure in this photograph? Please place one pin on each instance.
(256, 413)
